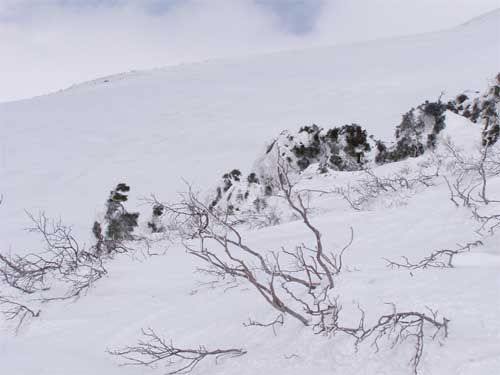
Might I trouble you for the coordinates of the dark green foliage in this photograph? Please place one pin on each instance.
(303, 163)
(154, 224)
(310, 151)
(228, 178)
(236, 174)
(461, 98)
(307, 154)
(119, 222)
(407, 147)
(268, 190)
(337, 162)
(122, 187)
(158, 210)
(356, 141)
(117, 197)
(97, 230)
(333, 134)
(496, 91)
(382, 155)
(252, 178)
(120, 228)
(413, 135)
(437, 111)
(481, 110)
(343, 147)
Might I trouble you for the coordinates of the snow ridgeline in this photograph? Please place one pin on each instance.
(314, 150)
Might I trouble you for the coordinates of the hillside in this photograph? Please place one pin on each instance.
(197, 121)
(63, 153)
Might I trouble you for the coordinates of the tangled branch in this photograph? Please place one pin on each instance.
(396, 327)
(371, 186)
(437, 259)
(279, 320)
(469, 187)
(16, 311)
(154, 349)
(63, 260)
(298, 275)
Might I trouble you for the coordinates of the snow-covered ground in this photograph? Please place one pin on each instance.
(62, 153)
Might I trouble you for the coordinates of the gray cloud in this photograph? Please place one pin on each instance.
(50, 44)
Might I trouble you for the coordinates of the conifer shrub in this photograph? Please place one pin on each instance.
(155, 223)
(339, 148)
(481, 109)
(416, 133)
(118, 224)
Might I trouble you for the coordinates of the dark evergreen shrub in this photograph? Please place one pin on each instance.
(118, 222)
(340, 148)
(416, 133)
(155, 223)
(382, 154)
(228, 178)
(252, 178)
(356, 143)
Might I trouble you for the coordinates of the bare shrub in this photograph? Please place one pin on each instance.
(489, 222)
(437, 259)
(64, 260)
(278, 321)
(16, 311)
(286, 278)
(38, 277)
(370, 186)
(154, 349)
(395, 327)
(468, 185)
(296, 282)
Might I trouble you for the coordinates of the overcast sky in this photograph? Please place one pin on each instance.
(46, 45)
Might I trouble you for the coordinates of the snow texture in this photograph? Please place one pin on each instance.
(64, 152)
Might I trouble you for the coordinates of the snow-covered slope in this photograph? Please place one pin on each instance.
(164, 292)
(63, 153)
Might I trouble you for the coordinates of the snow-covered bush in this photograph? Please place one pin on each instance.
(155, 223)
(482, 109)
(415, 134)
(346, 148)
(253, 198)
(118, 223)
(340, 148)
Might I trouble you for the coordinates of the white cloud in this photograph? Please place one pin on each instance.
(355, 20)
(50, 44)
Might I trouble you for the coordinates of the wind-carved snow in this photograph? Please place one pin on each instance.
(62, 153)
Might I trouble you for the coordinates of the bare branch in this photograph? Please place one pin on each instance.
(16, 311)
(437, 259)
(279, 320)
(396, 327)
(154, 349)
